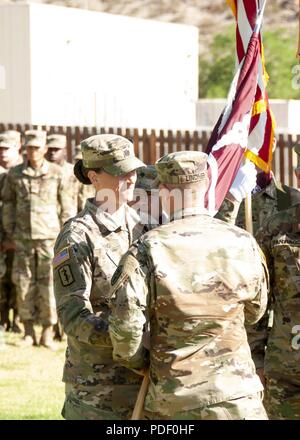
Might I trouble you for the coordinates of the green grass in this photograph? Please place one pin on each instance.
(30, 381)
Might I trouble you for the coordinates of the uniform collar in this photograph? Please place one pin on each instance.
(187, 212)
(126, 218)
(35, 172)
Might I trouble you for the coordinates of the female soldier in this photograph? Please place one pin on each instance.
(87, 252)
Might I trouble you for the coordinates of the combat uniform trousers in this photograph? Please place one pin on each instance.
(282, 398)
(33, 277)
(8, 299)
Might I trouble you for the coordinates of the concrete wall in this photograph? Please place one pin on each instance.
(15, 67)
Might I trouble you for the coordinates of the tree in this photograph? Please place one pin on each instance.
(217, 67)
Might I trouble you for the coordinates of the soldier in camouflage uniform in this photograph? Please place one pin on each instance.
(193, 281)
(84, 192)
(57, 149)
(279, 238)
(87, 252)
(146, 200)
(9, 157)
(270, 197)
(57, 145)
(33, 193)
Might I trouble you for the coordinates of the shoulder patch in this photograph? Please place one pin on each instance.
(66, 275)
(61, 257)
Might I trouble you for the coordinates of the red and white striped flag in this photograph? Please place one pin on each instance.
(229, 139)
(262, 125)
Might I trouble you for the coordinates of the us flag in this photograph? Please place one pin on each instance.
(239, 123)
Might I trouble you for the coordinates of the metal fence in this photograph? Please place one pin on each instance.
(151, 144)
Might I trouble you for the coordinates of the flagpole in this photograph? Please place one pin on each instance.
(139, 404)
(248, 214)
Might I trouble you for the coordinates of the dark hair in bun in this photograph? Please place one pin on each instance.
(81, 172)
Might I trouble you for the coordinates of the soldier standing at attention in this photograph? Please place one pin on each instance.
(194, 281)
(32, 194)
(57, 145)
(10, 144)
(87, 252)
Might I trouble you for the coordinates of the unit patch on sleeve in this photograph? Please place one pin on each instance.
(66, 275)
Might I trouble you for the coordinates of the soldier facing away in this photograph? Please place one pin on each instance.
(192, 283)
(87, 252)
(10, 144)
(34, 192)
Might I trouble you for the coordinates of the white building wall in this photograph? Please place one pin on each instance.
(90, 68)
(15, 98)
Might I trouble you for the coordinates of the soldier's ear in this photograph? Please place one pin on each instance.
(94, 177)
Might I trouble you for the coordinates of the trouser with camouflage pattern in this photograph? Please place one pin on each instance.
(282, 399)
(33, 277)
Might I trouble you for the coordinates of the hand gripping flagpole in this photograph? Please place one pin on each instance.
(248, 214)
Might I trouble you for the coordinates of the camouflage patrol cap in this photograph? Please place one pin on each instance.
(182, 167)
(10, 139)
(35, 138)
(297, 151)
(57, 141)
(147, 178)
(113, 153)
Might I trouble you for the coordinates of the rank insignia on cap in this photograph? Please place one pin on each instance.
(65, 275)
(61, 257)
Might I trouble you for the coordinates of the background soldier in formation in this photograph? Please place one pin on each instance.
(87, 252)
(10, 144)
(194, 281)
(33, 194)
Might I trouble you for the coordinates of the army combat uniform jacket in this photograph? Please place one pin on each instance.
(279, 238)
(272, 199)
(87, 253)
(193, 281)
(32, 199)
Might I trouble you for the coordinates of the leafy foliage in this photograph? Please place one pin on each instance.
(217, 67)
